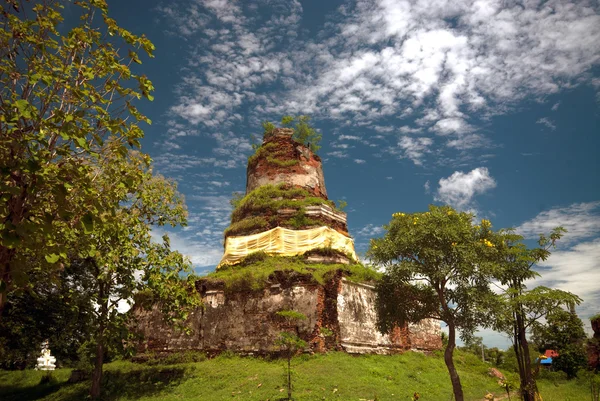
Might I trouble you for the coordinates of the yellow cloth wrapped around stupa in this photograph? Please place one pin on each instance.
(285, 242)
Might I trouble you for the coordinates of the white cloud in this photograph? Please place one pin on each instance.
(576, 270)
(581, 220)
(460, 188)
(338, 153)
(437, 62)
(470, 141)
(370, 230)
(427, 187)
(349, 137)
(545, 121)
(359, 161)
(415, 148)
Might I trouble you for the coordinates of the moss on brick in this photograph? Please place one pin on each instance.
(246, 225)
(253, 273)
(271, 198)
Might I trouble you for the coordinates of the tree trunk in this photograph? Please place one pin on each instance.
(456, 386)
(6, 256)
(530, 389)
(102, 317)
(528, 386)
(97, 374)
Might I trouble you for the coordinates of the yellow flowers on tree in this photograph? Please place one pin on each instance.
(437, 265)
(62, 97)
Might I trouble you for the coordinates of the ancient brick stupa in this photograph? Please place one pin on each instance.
(287, 248)
(286, 211)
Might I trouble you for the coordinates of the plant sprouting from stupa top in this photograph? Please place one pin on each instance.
(304, 132)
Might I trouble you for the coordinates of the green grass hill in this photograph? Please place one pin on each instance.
(332, 376)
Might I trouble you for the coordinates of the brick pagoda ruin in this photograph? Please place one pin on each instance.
(286, 213)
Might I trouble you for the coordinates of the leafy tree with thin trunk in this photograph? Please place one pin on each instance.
(63, 95)
(122, 256)
(289, 342)
(518, 308)
(53, 307)
(563, 332)
(437, 266)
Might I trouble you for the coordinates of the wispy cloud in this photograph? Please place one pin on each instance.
(576, 270)
(424, 70)
(545, 121)
(575, 265)
(581, 220)
(415, 148)
(338, 153)
(439, 63)
(370, 230)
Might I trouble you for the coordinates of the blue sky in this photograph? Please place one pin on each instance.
(489, 106)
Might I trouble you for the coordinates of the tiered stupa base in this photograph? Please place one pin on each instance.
(340, 316)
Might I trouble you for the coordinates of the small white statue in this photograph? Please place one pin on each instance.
(46, 361)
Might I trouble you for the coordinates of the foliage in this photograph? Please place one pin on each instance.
(300, 221)
(563, 332)
(253, 273)
(64, 97)
(593, 380)
(341, 205)
(305, 134)
(391, 377)
(475, 346)
(271, 198)
(437, 266)
(253, 210)
(510, 362)
(518, 309)
(289, 342)
(56, 308)
(268, 128)
(595, 317)
(122, 258)
(272, 155)
(507, 385)
(236, 198)
(176, 358)
(246, 226)
(291, 315)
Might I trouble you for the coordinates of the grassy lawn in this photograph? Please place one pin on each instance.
(333, 376)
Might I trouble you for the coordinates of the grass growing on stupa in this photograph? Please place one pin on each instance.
(259, 208)
(252, 274)
(332, 376)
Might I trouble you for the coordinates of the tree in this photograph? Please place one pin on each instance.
(53, 307)
(62, 97)
(121, 255)
(564, 333)
(437, 266)
(518, 309)
(289, 342)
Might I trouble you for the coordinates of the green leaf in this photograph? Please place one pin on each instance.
(88, 223)
(52, 258)
(82, 143)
